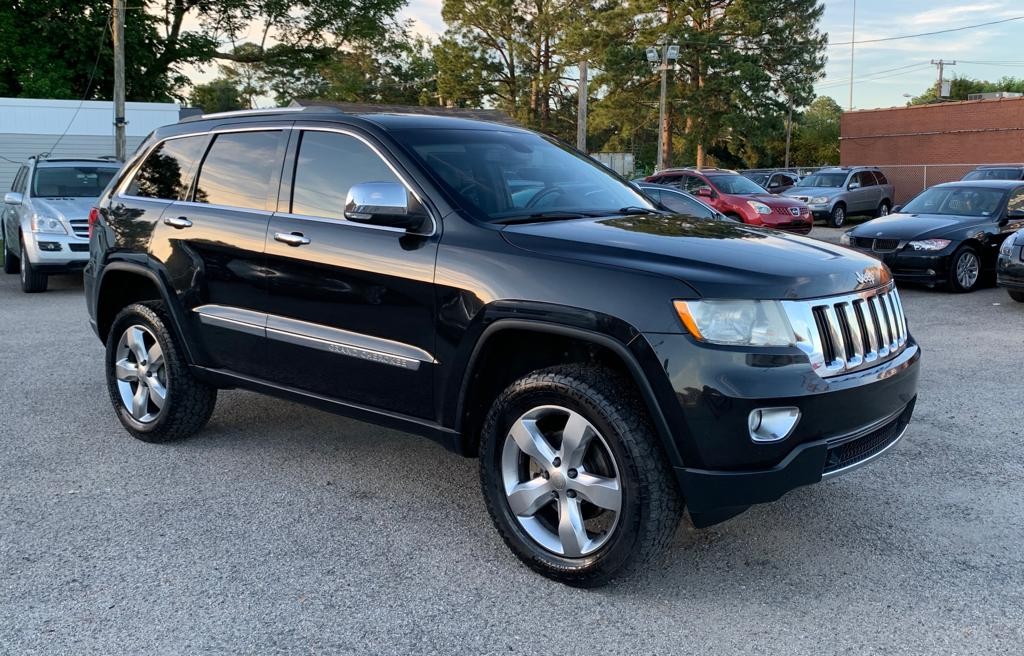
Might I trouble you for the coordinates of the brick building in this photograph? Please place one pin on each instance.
(923, 145)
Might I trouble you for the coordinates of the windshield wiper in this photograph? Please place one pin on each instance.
(538, 217)
(633, 210)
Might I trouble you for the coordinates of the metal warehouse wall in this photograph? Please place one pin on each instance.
(29, 126)
(969, 132)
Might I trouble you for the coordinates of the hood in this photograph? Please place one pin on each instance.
(811, 192)
(69, 209)
(913, 226)
(719, 259)
(772, 200)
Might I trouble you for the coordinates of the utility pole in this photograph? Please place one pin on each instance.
(789, 130)
(118, 35)
(581, 109)
(853, 45)
(940, 64)
(668, 52)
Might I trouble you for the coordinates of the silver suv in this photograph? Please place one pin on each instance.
(837, 193)
(45, 221)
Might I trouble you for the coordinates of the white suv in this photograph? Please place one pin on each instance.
(45, 221)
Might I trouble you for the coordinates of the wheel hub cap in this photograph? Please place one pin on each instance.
(561, 481)
(141, 374)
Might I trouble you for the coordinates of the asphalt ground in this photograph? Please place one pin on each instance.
(282, 529)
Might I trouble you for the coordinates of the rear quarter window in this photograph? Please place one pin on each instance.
(165, 172)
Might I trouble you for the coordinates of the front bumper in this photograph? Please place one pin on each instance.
(845, 420)
(927, 267)
(53, 253)
(1010, 269)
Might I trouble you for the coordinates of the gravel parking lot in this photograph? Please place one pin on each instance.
(284, 529)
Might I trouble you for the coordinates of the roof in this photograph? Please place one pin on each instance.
(42, 163)
(364, 109)
(994, 184)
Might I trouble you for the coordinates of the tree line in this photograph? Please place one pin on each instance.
(744, 66)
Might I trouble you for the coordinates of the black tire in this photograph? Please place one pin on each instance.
(188, 403)
(1017, 296)
(883, 208)
(650, 503)
(10, 261)
(953, 281)
(837, 217)
(32, 282)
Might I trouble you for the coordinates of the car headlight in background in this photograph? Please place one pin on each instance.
(844, 239)
(929, 244)
(737, 323)
(760, 208)
(818, 200)
(1006, 247)
(47, 224)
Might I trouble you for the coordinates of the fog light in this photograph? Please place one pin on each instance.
(930, 272)
(49, 245)
(772, 424)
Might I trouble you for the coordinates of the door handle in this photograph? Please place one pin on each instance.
(178, 222)
(291, 238)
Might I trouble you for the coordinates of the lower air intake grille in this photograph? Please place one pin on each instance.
(857, 450)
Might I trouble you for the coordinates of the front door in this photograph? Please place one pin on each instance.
(351, 313)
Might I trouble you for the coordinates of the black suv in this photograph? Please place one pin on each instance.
(497, 291)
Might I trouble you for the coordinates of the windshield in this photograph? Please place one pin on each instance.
(993, 174)
(71, 181)
(760, 179)
(501, 175)
(956, 201)
(735, 184)
(824, 180)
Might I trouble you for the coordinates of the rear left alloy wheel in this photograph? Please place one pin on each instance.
(884, 208)
(155, 395)
(573, 476)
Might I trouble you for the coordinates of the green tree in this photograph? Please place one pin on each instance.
(220, 95)
(961, 87)
(816, 134)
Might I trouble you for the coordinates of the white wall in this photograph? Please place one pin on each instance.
(29, 126)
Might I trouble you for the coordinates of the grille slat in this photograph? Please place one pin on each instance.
(80, 227)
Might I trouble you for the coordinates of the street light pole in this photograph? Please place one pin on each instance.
(661, 107)
(118, 35)
(853, 45)
(581, 109)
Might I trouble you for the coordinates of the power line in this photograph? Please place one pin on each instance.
(871, 77)
(88, 86)
(914, 36)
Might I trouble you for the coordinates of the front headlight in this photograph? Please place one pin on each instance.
(818, 200)
(844, 239)
(929, 244)
(737, 323)
(760, 208)
(47, 224)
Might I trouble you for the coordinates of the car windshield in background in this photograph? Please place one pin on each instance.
(956, 201)
(824, 180)
(735, 184)
(760, 179)
(993, 174)
(502, 175)
(71, 181)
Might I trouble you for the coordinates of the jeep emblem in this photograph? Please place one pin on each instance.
(865, 278)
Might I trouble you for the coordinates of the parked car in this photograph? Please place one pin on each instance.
(679, 201)
(775, 182)
(607, 361)
(738, 198)
(45, 217)
(837, 193)
(996, 172)
(1010, 266)
(949, 234)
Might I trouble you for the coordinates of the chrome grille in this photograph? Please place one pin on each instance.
(847, 333)
(80, 227)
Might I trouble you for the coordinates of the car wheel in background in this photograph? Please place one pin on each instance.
(31, 280)
(573, 476)
(155, 395)
(838, 216)
(964, 270)
(884, 208)
(1017, 296)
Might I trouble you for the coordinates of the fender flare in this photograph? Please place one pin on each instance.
(620, 349)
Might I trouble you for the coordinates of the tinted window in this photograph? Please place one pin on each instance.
(683, 205)
(18, 179)
(328, 165)
(165, 173)
(71, 181)
(691, 183)
(866, 179)
(993, 174)
(735, 184)
(238, 169)
(880, 177)
(1016, 202)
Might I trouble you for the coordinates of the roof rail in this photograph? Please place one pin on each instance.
(256, 112)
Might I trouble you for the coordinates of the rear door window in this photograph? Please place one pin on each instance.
(238, 170)
(166, 172)
(866, 179)
(881, 178)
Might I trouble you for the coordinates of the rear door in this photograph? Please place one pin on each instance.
(212, 245)
(352, 313)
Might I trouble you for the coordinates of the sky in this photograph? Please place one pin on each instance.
(876, 84)
(884, 73)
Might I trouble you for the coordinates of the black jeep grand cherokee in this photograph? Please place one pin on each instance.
(496, 291)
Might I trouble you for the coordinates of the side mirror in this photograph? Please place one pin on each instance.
(895, 209)
(705, 191)
(384, 203)
(853, 185)
(13, 198)
(774, 184)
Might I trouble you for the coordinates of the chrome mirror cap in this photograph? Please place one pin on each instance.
(384, 203)
(13, 198)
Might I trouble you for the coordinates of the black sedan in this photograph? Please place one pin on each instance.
(949, 234)
(1010, 267)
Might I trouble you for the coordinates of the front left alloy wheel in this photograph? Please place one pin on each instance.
(573, 475)
(155, 395)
